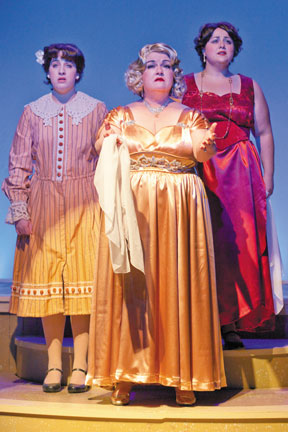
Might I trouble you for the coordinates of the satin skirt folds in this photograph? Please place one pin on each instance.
(237, 198)
(162, 327)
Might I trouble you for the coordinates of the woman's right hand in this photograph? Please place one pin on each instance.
(208, 144)
(203, 143)
(23, 227)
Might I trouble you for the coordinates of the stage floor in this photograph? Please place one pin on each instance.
(150, 405)
(263, 364)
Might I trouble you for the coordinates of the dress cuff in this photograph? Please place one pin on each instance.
(17, 210)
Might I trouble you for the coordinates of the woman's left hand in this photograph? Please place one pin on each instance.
(209, 140)
(269, 184)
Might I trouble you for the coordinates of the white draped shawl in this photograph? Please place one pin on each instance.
(112, 181)
(275, 261)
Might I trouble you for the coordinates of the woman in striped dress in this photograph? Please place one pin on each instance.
(54, 206)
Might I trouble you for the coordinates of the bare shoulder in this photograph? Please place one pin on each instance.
(259, 95)
(134, 105)
(257, 88)
(178, 106)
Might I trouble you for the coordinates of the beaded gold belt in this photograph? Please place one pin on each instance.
(162, 163)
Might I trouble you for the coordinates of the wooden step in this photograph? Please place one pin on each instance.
(263, 364)
(25, 407)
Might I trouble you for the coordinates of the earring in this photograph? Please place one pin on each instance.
(48, 76)
(204, 57)
(77, 77)
(140, 86)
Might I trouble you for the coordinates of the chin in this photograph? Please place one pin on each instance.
(61, 90)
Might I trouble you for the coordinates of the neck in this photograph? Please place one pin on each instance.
(217, 71)
(64, 97)
(156, 99)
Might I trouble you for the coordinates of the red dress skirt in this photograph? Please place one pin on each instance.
(237, 199)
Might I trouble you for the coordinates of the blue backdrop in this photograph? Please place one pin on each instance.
(110, 33)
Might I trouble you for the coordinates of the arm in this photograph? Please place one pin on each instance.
(110, 125)
(263, 135)
(17, 185)
(99, 114)
(202, 135)
(204, 146)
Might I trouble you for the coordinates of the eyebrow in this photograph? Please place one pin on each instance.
(225, 37)
(55, 59)
(154, 61)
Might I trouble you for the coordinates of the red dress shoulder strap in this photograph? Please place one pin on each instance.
(190, 82)
(247, 87)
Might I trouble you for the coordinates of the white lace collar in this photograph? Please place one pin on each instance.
(77, 108)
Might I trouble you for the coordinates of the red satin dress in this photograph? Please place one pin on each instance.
(237, 199)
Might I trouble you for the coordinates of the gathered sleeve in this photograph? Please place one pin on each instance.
(99, 114)
(17, 186)
(196, 120)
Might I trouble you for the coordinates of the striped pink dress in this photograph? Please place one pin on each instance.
(51, 170)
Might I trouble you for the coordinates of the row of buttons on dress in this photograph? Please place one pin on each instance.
(60, 145)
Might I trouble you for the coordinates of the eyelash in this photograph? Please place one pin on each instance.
(228, 41)
(151, 66)
(69, 65)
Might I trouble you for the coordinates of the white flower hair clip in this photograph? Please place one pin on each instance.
(40, 57)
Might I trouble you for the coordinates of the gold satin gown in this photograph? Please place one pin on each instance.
(161, 327)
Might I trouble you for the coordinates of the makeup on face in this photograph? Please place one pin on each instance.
(158, 73)
(220, 47)
(62, 74)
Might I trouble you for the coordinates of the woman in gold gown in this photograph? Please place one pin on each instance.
(156, 321)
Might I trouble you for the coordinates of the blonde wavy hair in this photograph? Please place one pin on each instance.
(133, 75)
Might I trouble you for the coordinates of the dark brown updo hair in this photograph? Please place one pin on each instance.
(69, 51)
(206, 32)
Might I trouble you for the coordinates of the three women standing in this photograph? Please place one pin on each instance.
(158, 325)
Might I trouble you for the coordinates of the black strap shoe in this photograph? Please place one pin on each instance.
(78, 388)
(54, 387)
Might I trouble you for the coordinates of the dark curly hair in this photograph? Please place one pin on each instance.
(206, 32)
(69, 51)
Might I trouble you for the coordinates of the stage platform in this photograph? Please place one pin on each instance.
(262, 364)
(256, 399)
(25, 408)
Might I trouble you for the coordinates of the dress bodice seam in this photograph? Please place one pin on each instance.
(128, 112)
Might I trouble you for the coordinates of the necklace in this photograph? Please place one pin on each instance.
(230, 103)
(157, 110)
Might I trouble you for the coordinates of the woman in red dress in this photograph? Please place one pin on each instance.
(236, 188)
